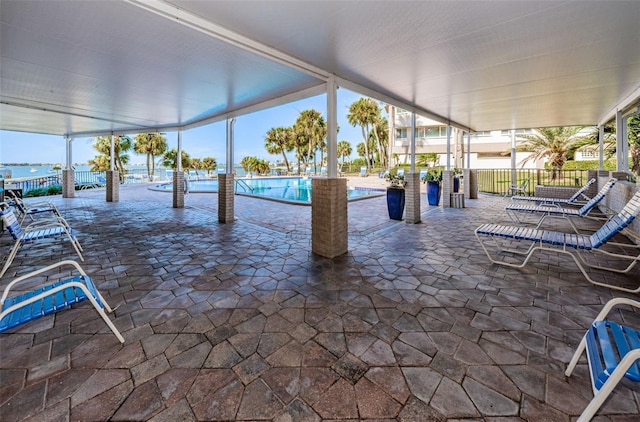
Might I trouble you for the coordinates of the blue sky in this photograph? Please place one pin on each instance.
(205, 141)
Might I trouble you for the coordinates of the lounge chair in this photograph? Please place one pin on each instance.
(363, 172)
(573, 200)
(38, 230)
(400, 172)
(24, 307)
(35, 209)
(572, 244)
(518, 190)
(516, 209)
(423, 173)
(613, 353)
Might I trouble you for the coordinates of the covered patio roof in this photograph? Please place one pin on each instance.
(86, 68)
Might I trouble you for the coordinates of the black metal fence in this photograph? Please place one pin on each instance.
(499, 181)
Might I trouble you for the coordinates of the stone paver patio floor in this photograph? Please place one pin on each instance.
(241, 322)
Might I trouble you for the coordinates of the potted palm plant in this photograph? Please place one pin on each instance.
(395, 194)
(433, 179)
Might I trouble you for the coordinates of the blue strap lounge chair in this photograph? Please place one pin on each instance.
(24, 211)
(573, 200)
(613, 353)
(516, 209)
(38, 230)
(26, 306)
(400, 172)
(571, 244)
(363, 172)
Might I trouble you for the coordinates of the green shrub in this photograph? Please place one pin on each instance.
(49, 190)
(609, 165)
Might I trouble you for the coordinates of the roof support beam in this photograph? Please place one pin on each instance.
(626, 106)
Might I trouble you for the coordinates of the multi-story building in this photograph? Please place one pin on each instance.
(489, 149)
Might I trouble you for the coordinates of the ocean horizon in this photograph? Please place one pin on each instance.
(44, 170)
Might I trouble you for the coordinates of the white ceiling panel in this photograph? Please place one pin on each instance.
(83, 67)
(483, 64)
(114, 62)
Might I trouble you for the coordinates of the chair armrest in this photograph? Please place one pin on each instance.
(615, 302)
(38, 272)
(38, 224)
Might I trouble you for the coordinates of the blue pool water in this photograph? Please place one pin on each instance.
(286, 189)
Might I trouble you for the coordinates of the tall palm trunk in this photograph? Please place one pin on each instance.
(366, 146)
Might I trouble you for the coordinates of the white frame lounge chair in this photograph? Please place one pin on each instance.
(515, 210)
(39, 229)
(24, 307)
(35, 209)
(518, 190)
(573, 200)
(571, 244)
(613, 353)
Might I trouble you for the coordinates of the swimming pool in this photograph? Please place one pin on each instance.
(295, 190)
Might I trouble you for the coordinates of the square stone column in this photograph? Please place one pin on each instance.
(447, 188)
(593, 190)
(68, 184)
(471, 183)
(113, 186)
(226, 198)
(412, 198)
(329, 236)
(178, 189)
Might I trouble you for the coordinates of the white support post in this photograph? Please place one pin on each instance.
(69, 151)
(68, 174)
(332, 128)
(448, 147)
(112, 189)
(230, 123)
(514, 176)
(468, 150)
(601, 147)
(412, 138)
(226, 183)
(112, 153)
(179, 155)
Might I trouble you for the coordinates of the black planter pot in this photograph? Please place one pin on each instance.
(456, 184)
(395, 203)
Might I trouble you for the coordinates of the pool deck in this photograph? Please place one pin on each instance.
(242, 322)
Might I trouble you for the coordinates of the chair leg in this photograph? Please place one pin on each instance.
(606, 389)
(12, 255)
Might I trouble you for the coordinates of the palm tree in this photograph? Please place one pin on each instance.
(312, 127)
(365, 113)
(151, 144)
(247, 163)
(279, 140)
(196, 165)
(209, 164)
(256, 164)
(344, 150)
(554, 144)
(633, 127)
(591, 141)
(102, 144)
(428, 159)
(170, 159)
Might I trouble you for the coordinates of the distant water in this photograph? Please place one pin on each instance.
(43, 171)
